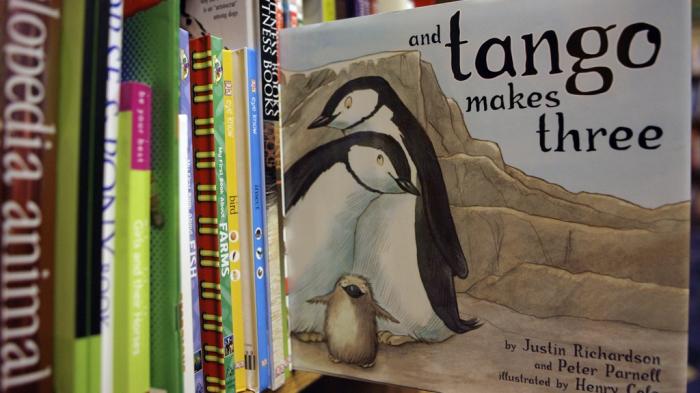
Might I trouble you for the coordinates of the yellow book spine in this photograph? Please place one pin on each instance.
(328, 7)
(234, 223)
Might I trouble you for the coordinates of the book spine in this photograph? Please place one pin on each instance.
(206, 211)
(150, 55)
(234, 228)
(257, 210)
(222, 210)
(132, 288)
(328, 7)
(193, 379)
(269, 78)
(240, 84)
(29, 36)
(109, 192)
(69, 371)
(185, 322)
(92, 125)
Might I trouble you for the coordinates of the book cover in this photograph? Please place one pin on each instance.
(206, 210)
(222, 212)
(241, 128)
(233, 206)
(109, 193)
(30, 40)
(188, 237)
(131, 274)
(485, 198)
(156, 62)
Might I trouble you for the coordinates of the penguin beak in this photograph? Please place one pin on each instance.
(322, 121)
(353, 291)
(407, 186)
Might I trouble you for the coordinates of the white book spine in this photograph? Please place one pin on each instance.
(109, 188)
(185, 280)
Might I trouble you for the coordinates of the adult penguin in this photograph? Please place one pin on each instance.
(371, 103)
(325, 192)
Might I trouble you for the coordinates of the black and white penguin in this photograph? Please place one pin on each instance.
(407, 246)
(325, 192)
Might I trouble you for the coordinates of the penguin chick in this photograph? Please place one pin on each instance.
(351, 321)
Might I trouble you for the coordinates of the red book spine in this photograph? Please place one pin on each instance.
(205, 212)
(29, 43)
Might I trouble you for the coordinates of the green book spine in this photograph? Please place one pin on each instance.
(77, 340)
(222, 210)
(131, 283)
(67, 370)
(150, 55)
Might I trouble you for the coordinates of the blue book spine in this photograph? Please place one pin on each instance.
(186, 109)
(257, 187)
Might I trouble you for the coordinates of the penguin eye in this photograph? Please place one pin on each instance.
(380, 160)
(348, 102)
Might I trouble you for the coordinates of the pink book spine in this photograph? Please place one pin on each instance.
(136, 98)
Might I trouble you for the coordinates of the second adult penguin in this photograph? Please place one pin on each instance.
(430, 253)
(325, 192)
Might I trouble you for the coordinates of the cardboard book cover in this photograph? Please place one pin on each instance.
(491, 196)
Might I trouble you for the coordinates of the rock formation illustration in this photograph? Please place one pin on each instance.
(532, 246)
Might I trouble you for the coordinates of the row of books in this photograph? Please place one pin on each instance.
(316, 11)
(140, 199)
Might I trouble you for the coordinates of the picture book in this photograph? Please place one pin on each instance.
(192, 335)
(156, 62)
(222, 211)
(202, 78)
(255, 24)
(131, 272)
(257, 214)
(491, 196)
(109, 193)
(187, 314)
(233, 208)
(241, 128)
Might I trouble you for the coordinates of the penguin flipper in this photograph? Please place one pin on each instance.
(437, 277)
(436, 206)
(323, 299)
(381, 313)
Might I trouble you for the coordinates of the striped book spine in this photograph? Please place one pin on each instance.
(206, 212)
(188, 240)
